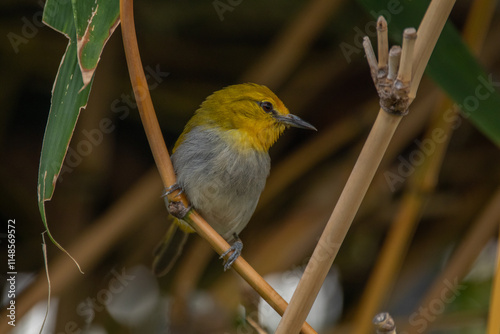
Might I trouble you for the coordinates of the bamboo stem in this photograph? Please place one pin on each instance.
(242, 268)
(162, 159)
(339, 222)
(394, 60)
(428, 33)
(372, 60)
(383, 45)
(361, 176)
(405, 66)
(419, 186)
(389, 262)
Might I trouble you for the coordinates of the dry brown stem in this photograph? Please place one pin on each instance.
(420, 186)
(362, 174)
(339, 223)
(162, 160)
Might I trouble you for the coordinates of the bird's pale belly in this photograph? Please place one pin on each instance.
(222, 183)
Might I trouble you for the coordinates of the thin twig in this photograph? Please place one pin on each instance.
(370, 57)
(404, 73)
(165, 168)
(255, 325)
(383, 45)
(46, 264)
(394, 60)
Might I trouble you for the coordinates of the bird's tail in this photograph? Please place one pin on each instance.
(169, 250)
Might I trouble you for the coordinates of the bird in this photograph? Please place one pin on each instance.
(221, 161)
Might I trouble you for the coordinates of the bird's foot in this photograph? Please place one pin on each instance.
(171, 189)
(175, 208)
(235, 251)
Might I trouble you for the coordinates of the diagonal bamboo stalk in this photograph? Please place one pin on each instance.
(361, 176)
(279, 60)
(402, 229)
(162, 160)
(428, 33)
(343, 214)
(420, 186)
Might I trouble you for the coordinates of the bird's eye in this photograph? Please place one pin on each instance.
(266, 106)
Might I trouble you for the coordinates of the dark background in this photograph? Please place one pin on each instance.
(202, 53)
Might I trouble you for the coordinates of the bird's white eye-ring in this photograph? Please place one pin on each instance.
(266, 106)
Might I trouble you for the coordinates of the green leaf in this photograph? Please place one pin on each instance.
(70, 92)
(58, 15)
(95, 21)
(452, 66)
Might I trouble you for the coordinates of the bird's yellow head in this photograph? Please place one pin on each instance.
(249, 115)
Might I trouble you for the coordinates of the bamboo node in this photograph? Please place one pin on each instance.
(178, 209)
(384, 324)
(392, 74)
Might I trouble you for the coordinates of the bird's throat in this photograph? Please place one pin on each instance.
(259, 140)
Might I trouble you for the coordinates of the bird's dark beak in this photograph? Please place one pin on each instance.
(294, 121)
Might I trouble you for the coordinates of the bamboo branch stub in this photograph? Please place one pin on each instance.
(405, 66)
(383, 45)
(394, 59)
(371, 59)
(384, 324)
(393, 90)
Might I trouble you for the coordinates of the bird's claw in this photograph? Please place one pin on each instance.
(171, 189)
(175, 208)
(235, 251)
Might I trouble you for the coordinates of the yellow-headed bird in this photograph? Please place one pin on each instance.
(221, 161)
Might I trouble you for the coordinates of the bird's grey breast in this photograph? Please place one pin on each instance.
(222, 181)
